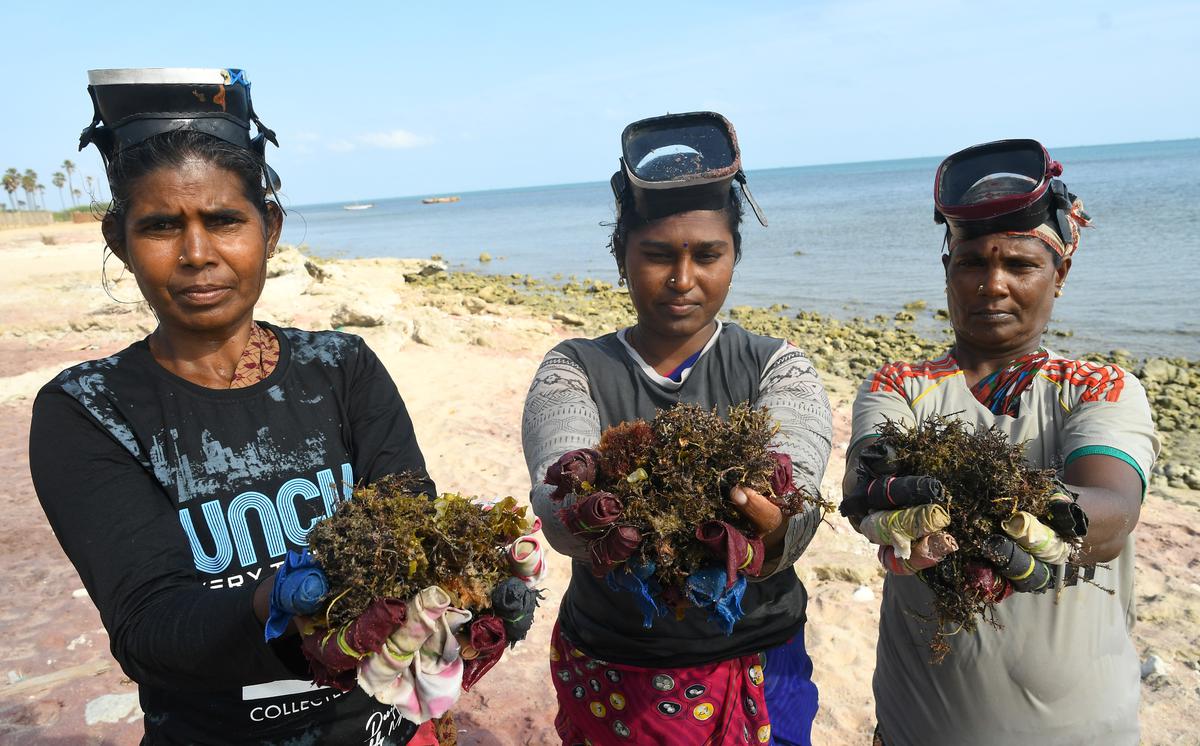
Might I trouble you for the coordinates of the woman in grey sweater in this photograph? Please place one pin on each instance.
(680, 681)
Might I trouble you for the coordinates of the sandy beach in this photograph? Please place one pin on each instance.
(462, 350)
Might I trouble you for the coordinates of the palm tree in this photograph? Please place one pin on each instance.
(69, 167)
(41, 189)
(91, 190)
(58, 179)
(29, 186)
(75, 195)
(12, 182)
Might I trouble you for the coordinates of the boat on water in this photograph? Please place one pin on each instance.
(439, 200)
(359, 206)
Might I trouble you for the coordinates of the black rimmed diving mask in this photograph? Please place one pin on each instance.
(1001, 186)
(132, 105)
(680, 162)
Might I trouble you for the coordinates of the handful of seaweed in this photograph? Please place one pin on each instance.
(983, 484)
(424, 593)
(650, 500)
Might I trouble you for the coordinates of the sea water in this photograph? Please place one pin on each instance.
(847, 240)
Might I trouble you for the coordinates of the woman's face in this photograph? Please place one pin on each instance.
(679, 269)
(197, 246)
(1000, 292)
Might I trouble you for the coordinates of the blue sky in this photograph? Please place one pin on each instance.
(382, 99)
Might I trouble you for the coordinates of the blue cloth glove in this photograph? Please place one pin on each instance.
(706, 589)
(299, 586)
(638, 579)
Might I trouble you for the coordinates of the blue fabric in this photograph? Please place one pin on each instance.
(677, 374)
(638, 579)
(707, 589)
(299, 586)
(790, 693)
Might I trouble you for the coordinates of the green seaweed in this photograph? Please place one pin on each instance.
(391, 541)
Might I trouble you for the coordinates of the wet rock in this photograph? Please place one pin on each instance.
(416, 270)
(475, 305)
(569, 319)
(916, 305)
(1154, 665)
(112, 708)
(357, 315)
(287, 261)
(435, 332)
(485, 257)
(863, 594)
(315, 271)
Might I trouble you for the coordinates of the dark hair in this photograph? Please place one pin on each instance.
(170, 150)
(629, 220)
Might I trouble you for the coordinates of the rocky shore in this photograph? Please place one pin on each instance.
(847, 349)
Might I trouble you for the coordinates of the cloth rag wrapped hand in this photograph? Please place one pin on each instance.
(334, 654)
(593, 514)
(483, 649)
(739, 552)
(900, 528)
(515, 603)
(419, 669)
(571, 470)
(300, 584)
(527, 560)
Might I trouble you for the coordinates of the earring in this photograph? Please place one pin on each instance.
(979, 291)
(1058, 291)
(621, 281)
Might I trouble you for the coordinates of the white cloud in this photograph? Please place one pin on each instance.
(394, 139)
(388, 140)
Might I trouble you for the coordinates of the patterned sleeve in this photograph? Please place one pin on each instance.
(1109, 415)
(791, 391)
(559, 416)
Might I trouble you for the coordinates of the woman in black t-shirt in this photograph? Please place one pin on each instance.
(179, 472)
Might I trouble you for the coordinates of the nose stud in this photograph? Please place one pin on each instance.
(672, 281)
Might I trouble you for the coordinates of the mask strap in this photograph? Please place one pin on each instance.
(758, 213)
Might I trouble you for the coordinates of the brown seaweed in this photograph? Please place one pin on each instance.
(391, 541)
(986, 479)
(675, 474)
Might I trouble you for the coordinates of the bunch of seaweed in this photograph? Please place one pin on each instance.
(391, 541)
(986, 480)
(649, 491)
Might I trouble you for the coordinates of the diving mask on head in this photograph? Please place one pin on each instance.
(132, 105)
(1002, 186)
(680, 162)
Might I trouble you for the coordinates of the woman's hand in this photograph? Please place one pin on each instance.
(765, 517)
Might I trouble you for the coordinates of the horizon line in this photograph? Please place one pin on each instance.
(560, 185)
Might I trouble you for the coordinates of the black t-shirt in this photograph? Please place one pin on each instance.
(174, 502)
